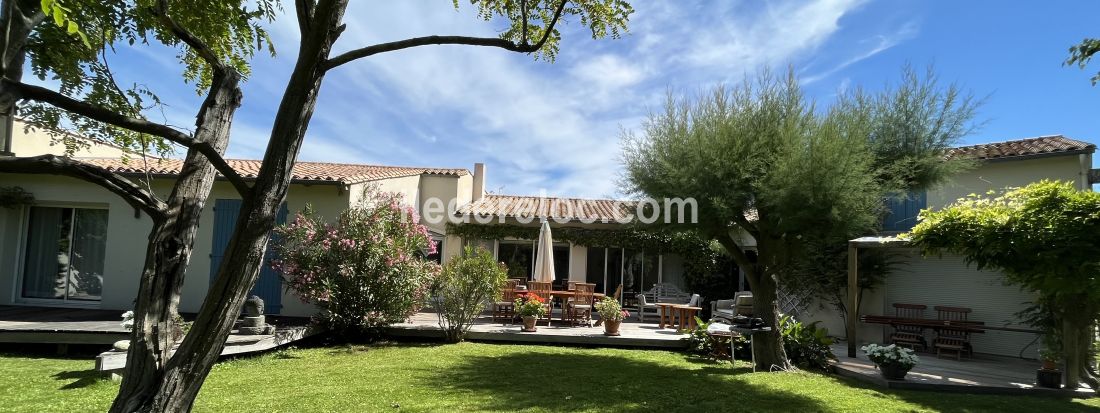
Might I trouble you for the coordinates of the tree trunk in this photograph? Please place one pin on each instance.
(184, 373)
(170, 246)
(1071, 331)
(767, 348)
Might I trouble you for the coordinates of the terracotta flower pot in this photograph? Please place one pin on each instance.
(1050, 365)
(529, 324)
(611, 327)
(893, 371)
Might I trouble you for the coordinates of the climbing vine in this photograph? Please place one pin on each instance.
(14, 196)
(701, 260)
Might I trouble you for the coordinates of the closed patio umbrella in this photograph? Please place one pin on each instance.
(544, 261)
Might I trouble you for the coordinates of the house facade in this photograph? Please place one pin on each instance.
(948, 280)
(78, 245)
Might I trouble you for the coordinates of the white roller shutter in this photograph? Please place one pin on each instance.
(948, 281)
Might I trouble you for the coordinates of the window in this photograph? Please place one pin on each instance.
(596, 268)
(633, 270)
(518, 256)
(64, 254)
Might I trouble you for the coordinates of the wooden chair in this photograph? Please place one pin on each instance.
(581, 305)
(955, 340)
(542, 289)
(519, 281)
(906, 335)
(506, 307)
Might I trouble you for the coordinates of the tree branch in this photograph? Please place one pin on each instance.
(739, 256)
(59, 165)
(433, 40)
(41, 94)
(304, 12)
(205, 52)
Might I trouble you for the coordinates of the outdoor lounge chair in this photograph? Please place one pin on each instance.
(660, 293)
(741, 304)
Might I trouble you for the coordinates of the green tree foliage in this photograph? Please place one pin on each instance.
(1044, 237)
(1081, 54)
(765, 164)
(80, 61)
(466, 283)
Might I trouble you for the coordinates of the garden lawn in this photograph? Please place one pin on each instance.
(487, 377)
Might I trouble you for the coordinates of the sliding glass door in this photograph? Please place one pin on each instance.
(64, 254)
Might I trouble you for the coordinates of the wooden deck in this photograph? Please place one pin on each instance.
(64, 326)
(633, 333)
(985, 374)
(234, 345)
(46, 325)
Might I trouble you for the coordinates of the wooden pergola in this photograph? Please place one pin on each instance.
(853, 279)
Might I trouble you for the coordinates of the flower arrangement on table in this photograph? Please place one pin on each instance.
(893, 361)
(610, 310)
(531, 306)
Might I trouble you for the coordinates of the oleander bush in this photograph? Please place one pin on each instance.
(364, 271)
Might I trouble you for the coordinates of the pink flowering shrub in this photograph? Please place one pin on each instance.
(364, 271)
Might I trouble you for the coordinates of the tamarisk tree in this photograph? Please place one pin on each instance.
(764, 164)
(217, 38)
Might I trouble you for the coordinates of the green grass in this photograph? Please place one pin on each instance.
(485, 377)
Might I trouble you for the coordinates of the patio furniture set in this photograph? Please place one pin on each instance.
(952, 328)
(577, 301)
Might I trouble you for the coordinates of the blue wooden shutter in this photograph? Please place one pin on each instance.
(902, 213)
(269, 285)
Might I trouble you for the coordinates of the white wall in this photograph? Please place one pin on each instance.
(327, 201)
(998, 175)
(38, 142)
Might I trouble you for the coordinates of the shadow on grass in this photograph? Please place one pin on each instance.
(84, 378)
(962, 402)
(570, 382)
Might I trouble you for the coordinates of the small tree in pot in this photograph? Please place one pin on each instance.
(612, 315)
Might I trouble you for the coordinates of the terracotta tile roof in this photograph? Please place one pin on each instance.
(1042, 145)
(573, 209)
(303, 171)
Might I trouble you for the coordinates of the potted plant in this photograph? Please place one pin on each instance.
(530, 309)
(892, 361)
(612, 315)
(1050, 374)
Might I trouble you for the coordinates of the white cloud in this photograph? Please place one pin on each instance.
(539, 126)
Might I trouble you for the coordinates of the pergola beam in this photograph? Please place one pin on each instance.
(853, 280)
(853, 297)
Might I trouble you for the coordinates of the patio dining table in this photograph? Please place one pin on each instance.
(563, 294)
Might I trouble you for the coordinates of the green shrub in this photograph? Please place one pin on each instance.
(364, 271)
(463, 287)
(807, 345)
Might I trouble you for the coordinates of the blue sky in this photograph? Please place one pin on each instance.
(555, 127)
